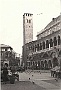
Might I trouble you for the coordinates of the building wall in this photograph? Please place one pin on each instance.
(27, 28)
(8, 56)
(43, 53)
(6, 52)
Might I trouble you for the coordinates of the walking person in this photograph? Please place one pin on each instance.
(5, 74)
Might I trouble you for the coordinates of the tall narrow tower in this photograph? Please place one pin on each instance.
(27, 28)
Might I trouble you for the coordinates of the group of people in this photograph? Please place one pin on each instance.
(5, 73)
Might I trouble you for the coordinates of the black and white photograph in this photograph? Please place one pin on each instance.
(30, 45)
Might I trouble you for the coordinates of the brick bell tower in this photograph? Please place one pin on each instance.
(27, 28)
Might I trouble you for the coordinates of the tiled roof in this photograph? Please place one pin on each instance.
(51, 23)
(3, 45)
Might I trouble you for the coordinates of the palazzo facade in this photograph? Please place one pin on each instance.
(45, 52)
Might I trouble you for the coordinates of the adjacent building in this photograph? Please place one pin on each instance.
(8, 56)
(45, 52)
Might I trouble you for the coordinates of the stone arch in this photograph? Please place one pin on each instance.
(55, 41)
(6, 64)
(35, 64)
(51, 42)
(49, 64)
(39, 64)
(47, 43)
(45, 55)
(52, 54)
(43, 44)
(55, 62)
(58, 40)
(45, 64)
(42, 65)
(60, 53)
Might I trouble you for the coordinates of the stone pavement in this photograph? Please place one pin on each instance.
(34, 81)
(41, 79)
(47, 86)
(23, 85)
(34, 76)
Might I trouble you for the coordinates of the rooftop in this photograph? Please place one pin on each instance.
(57, 19)
(3, 46)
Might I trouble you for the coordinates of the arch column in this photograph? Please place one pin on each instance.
(49, 64)
(42, 65)
(45, 64)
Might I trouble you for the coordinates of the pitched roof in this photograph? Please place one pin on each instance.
(3, 45)
(51, 23)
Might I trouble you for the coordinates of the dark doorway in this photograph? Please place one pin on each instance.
(6, 64)
(38, 64)
(49, 64)
(55, 62)
(42, 65)
(45, 65)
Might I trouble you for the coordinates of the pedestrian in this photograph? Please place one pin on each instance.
(13, 69)
(5, 74)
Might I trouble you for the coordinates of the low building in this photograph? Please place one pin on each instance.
(45, 52)
(8, 56)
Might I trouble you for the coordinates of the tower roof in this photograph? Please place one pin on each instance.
(27, 14)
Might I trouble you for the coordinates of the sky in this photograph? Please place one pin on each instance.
(11, 31)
